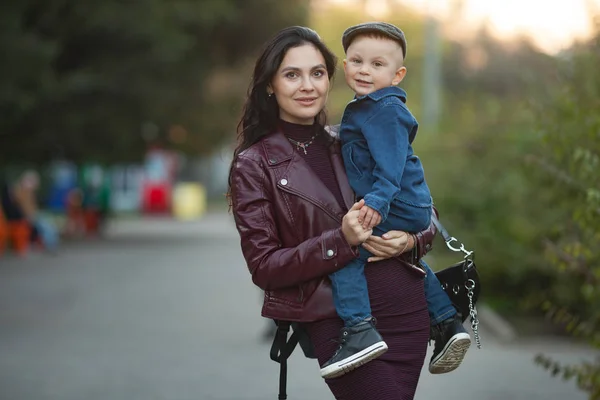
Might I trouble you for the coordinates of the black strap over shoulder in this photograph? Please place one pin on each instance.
(441, 228)
(281, 349)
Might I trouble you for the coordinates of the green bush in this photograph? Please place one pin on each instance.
(568, 163)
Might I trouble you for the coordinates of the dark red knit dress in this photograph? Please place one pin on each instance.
(397, 302)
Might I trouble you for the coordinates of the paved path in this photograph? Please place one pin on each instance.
(166, 310)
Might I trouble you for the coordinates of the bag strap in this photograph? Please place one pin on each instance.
(469, 284)
(281, 349)
(449, 239)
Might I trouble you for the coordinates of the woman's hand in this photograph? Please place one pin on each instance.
(390, 244)
(352, 229)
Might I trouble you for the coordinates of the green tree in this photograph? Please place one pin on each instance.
(474, 164)
(80, 79)
(568, 163)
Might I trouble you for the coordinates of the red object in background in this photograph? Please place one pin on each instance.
(3, 233)
(75, 224)
(92, 221)
(157, 185)
(19, 233)
(156, 198)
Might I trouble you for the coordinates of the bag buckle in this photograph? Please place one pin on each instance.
(458, 249)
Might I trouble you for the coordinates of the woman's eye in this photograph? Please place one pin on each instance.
(319, 74)
(291, 75)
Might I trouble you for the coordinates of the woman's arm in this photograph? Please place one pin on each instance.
(272, 266)
(25, 200)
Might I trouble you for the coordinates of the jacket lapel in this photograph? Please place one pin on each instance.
(299, 178)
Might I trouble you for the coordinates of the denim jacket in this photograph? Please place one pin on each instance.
(377, 132)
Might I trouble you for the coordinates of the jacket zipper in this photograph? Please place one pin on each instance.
(302, 196)
(332, 215)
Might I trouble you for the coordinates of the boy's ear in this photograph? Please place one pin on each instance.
(345, 62)
(400, 74)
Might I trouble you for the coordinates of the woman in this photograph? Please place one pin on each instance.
(298, 221)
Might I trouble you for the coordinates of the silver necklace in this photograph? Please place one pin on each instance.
(303, 145)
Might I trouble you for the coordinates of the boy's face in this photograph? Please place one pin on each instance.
(372, 64)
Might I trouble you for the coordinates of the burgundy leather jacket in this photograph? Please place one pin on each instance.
(290, 228)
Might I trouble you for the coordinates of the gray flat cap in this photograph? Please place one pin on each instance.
(383, 28)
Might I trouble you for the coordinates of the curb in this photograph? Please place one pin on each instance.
(497, 325)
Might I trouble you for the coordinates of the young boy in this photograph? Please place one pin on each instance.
(377, 132)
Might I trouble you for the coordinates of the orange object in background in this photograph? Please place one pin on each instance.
(3, 233)
(19, 233)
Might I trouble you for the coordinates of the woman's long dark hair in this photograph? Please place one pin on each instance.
(261, 112)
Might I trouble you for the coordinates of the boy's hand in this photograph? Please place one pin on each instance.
(368, 217)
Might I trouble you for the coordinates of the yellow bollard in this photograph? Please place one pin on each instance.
(189, 201)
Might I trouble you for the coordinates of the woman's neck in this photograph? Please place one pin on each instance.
(298, 131)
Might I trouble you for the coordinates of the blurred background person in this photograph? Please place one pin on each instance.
(24, 198)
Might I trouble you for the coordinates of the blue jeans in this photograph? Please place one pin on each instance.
(350, 293)
(351, 296)
(48, 232)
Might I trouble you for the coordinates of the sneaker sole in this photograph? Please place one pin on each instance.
(351, 363)
(452, 355)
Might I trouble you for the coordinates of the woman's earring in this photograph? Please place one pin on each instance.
(270, 95)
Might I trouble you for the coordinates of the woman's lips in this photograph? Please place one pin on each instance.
(306, 101)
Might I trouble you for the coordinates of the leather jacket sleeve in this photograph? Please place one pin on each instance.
(273, 266)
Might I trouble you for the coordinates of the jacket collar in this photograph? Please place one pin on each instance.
(385, 92)
(300, 177)
(277, 148)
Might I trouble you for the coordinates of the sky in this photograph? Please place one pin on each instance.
(551, 24)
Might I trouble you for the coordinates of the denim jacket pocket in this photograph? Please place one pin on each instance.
(351, 167)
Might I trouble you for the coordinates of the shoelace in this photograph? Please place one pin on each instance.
(432, 333)
(340, 342)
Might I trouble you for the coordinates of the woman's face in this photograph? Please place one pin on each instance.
(301, 85)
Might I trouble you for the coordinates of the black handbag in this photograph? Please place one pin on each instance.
(461, 280)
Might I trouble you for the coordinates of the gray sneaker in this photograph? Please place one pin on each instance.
(358, 345)
(451, 344)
